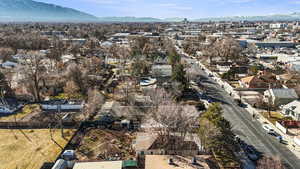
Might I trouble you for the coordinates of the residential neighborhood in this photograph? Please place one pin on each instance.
(184, 94)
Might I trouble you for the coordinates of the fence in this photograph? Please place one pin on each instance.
(37, 125)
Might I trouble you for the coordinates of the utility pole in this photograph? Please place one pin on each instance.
(60, 120)
(269, 101)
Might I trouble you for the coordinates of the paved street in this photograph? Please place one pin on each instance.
(243, 125)
(242, 122)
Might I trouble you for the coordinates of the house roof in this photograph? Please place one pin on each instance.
(295, 106)
(247, 79)
(162, 161)
(144, 141)
(285, 76)
(152, 141)
(284, 93)
(99, 165)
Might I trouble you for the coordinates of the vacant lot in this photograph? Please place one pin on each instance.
(29, 149)
(105, 145)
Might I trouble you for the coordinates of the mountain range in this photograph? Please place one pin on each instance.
(33, 11)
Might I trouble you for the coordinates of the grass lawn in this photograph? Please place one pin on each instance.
(275, 116)
(28, 109)
(29, 149)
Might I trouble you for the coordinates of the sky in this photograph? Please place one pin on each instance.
(192, 9)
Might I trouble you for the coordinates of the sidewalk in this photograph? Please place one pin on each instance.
(229, 89)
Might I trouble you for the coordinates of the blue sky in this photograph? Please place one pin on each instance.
(181, 8)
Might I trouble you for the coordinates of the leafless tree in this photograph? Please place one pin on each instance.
(95, 101)
(78, 75)
(34, 73)
(6, 53)
(171, 118)
(227, 49)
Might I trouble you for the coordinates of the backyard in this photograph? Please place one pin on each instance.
(29, 149)
(105, 145)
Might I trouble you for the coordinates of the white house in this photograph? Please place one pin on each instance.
(162, 70)
(292, 110)
(9, 64)
(61, 105)
(67, 58)
(294, 66)
(280, 96)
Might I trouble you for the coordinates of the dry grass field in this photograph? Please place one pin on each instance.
(29, 149)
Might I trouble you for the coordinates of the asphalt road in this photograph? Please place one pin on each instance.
(243, 125)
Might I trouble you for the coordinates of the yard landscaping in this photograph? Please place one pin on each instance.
(29, 149)
(275, 116)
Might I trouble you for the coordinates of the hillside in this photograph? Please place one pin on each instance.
(33, 11)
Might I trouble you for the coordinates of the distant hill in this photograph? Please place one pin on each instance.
(276, 17)
(138, 19)
(33, 11)
(129, 19)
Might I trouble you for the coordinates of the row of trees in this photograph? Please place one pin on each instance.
(225, 49)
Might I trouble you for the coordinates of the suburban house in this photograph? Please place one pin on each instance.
(111, 107)
(9, 64)
(280, 96)
(252, 82)
(262, 80)
(223, 67)
(161, 70)
(289, 80)
(240, 71)
(295, 66)
(62, 105)
(292, 110)
(155, 144)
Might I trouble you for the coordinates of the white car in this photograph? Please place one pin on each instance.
(268, 129)
(193, 83)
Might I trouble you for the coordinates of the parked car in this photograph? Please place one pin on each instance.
(251, 153)
(193, 83)
(268, 129)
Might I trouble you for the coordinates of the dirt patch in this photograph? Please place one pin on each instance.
(105, 145)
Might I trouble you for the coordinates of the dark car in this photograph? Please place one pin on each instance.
(251, 153)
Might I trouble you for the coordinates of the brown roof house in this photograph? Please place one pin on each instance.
(155, 144)
(263, 80)
(290, 80)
